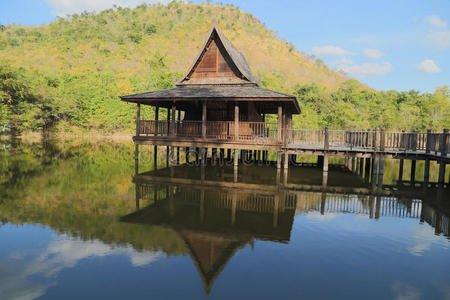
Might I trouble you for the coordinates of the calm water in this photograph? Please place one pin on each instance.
(77, 223)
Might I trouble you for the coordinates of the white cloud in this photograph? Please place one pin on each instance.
(436, 21)
(367, 69)
(344, 61)
(439, 35)
(428, 66)
(373, 53)
(330, 50)
(59, 254)
(439, 39)
(64, 7)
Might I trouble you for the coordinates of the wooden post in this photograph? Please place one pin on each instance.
(375, 145)
(236, 123)
(168, 133)
(178, 129)
(381, 172)
(155, 157)
(280, 122)
(236, 157)
(172, 126)
(136, 159)
(367, 169)
(382, 139)
(168, 123)
(286, 160)
(443, 155)
(325, 162)
(361, 166)
(138, 119)
(326, 146)
(374, 169)
(426, 173)
(413, 171)
(156, 119)
(203, 119)
(278, 160)
(400, 170)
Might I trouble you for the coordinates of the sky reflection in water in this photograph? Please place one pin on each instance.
(200, 241)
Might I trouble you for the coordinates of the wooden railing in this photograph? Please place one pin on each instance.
(377, 140)
(262, 132)
(222, 130)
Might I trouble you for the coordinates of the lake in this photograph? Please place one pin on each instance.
(78, 221)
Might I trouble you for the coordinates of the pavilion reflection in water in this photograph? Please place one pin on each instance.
(216, 213)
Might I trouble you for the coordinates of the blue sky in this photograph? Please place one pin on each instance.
(395, 44)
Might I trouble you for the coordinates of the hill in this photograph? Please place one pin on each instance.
(73, 69)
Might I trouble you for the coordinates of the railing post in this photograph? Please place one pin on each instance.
(382, 139)
(138, 119)
(375, 146)
(203, 119)
(236, 121)
(280, 122)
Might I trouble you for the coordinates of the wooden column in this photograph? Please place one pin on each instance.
(155, 148)
(413, 170)
(361, 166)
(138, 119)
(168, 121)
(178, 129)
(136, 159)
(172, 126)
(441, 178)
(204, 112)
(286, 160)
(426, 173)
(168, 133)
(236, 123)
(280, 122)
(156, 119)
(400, 170)
(367, 169)
(278, 160)
(326, 146)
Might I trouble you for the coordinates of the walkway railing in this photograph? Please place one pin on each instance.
(262, 132)
(376, 140)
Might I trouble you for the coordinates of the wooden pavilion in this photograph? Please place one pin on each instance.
(218, 104)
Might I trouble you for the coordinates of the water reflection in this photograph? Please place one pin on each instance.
(218, 210)
(66, 206)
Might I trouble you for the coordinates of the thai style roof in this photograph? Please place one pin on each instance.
(236, 56)
(218, 72)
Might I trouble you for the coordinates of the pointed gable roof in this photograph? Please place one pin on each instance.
(233, 57)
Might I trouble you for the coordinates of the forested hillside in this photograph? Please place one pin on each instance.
(67, 75)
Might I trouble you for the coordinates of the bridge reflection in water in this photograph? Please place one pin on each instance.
(217, 212)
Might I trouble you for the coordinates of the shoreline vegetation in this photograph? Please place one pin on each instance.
(65, 77)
